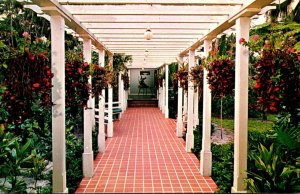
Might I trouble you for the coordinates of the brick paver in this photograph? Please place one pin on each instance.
(145, 156)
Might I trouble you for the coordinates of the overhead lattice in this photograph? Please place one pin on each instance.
(176, 24)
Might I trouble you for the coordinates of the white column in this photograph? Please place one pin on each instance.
(241, 106)
(58, 109)
(163, 101)
(179, 124)
(185, 108)
(110, 126)
(101, 126)
(88, 114)
(196, 108)
(190, 120)
(167, 92)
(120, 91)
(205, 154)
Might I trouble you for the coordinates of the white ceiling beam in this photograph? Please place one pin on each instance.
(153, 40)
(110, 44)
(156, 36)
(50, 6)
(248, 10)
(150, 10)
(150, 19)
(199, 26)
(162, 2)
(142, 31)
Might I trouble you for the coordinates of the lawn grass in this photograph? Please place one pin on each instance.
(254, 124)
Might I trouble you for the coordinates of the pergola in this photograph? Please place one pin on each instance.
(179, 28)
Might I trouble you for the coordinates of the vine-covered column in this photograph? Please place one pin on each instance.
(88, 114)
(110, 126)
(179, 124)
(241, 106)
(190, 109)
(205, 154)
(101, 125)
(57, 23)
(167, 91)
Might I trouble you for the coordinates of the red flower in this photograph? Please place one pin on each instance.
(257, 86)
(80, 70)
(255, 37)
(298, 57)
(36, 85)
(45, 53)
(241, 40)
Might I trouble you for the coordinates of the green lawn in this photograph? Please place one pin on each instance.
(254, 124)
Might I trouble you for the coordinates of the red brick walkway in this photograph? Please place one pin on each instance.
(146, 156)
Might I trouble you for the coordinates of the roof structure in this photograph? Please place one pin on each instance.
(118, 26)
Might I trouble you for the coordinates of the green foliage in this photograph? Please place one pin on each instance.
(197, 140)
(222, 166)
(74, 150)
(272, 174)
(276, 169)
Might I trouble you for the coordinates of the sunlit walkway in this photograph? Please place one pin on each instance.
(146, 156)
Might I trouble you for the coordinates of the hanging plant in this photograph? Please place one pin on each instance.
(160, 79)
(277, 76)
(196, 74)
(110, 75)
(76, 80)
(98, 80)
(182, 75)
(125, 79)
(221, 76)
(28, 82)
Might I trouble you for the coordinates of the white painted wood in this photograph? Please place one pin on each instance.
(190, 110)
(205, 154)
(151, 19)
(57, 23)
(179, 123)
(196, 108)
(164, 2)
(149, 9)
(241, 106)
(110, 125)
(163, 101)
(89, 117)
(101, 125)
(167, 92)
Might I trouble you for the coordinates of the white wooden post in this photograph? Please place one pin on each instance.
(196, 108)
(167, 92)
(185, 108)
(57, 23)
(241, 106)
(163, 101)
(101, 126)
(190, 120)
(179, 124)
(120, 92)
(205, 154)
(88, 114)
(110, 126)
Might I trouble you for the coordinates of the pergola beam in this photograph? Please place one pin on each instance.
(153, 26)
(50, 6)
(165, 2)
(150, 19)
(248, 10)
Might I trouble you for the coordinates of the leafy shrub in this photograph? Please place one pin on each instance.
(74, 150)
(276, 169)
(222, 166)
